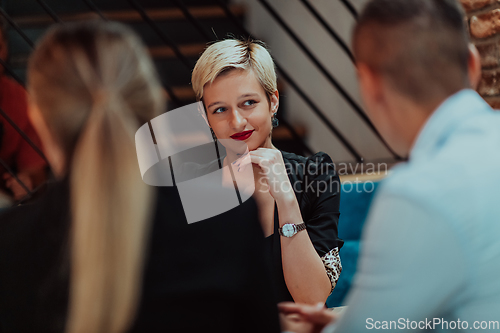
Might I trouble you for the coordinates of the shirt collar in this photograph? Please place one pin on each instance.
(445, 118)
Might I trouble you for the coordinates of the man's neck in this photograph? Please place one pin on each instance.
(420, 116)
(411, 118)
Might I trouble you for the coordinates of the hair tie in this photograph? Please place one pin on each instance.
(101, 96)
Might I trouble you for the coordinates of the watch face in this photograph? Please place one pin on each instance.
(288, 230)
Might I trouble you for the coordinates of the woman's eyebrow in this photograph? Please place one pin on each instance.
(214, 103)
(249, 95)
(242, 96)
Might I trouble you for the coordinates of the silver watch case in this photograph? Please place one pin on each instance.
(291, 229)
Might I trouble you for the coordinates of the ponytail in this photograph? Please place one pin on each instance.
(95, 84)
(109, 226)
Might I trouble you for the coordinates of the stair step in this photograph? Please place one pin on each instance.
(189, 50)
(157, 52)
(31, 7)
(130, 16)
(184, 93)
(180, 32)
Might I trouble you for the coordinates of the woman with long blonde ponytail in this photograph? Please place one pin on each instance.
(94, 86)
(101, 252)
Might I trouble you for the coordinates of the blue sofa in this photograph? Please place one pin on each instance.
(354, 204)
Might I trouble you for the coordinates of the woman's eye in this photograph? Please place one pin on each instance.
(219, 110)
(249, 102)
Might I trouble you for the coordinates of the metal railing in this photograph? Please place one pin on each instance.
(334, 82)
(350, 8)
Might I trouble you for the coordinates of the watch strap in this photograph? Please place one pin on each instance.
(301, 226)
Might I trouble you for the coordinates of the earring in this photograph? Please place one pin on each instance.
(274, 121)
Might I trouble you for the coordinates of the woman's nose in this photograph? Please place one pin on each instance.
(238, 121)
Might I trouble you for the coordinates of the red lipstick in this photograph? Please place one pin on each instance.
(242, 135)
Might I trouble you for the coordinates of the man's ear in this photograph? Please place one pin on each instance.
(474, 66)
(370, 85)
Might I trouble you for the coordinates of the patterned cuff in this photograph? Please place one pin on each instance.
(333, 266)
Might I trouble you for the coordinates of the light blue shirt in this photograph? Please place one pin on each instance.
(431, 245)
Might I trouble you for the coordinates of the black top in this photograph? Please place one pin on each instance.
(208, 276)
(317, 189)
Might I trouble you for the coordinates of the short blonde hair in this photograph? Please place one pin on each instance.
(229, 54)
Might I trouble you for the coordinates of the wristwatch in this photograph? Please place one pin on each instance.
(290, 229)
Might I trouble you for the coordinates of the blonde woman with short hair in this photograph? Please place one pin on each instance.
(102, 252)
(298, 197)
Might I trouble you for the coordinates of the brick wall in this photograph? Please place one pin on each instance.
(484, 26)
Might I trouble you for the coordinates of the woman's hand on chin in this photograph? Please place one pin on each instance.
(273, 170)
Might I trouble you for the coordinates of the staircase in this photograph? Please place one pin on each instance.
(34, 20)
(168, 33)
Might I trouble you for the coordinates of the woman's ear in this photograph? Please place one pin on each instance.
(275, 101)
(474, 66)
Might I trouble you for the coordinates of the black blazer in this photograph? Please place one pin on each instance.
(209, 276)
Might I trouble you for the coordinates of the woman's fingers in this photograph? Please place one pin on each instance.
(295, 323)
(256, 159)
(318, 314)
(290, 307)
(270, 164)
(269, 154)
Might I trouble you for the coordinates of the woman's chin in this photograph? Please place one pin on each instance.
(235, 146)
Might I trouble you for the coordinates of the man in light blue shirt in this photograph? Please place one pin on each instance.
(431, 248)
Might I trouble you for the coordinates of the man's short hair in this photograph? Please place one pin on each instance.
(419, 46)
